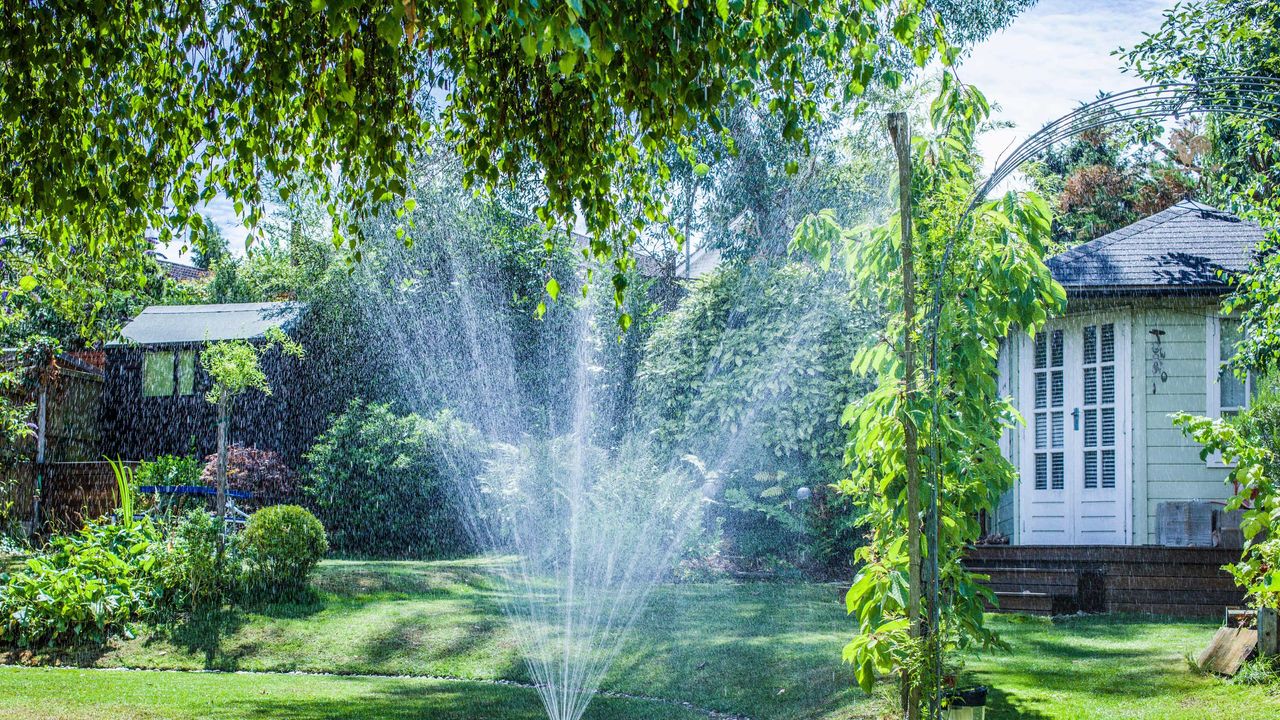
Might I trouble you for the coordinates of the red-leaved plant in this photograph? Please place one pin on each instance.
(260, 472)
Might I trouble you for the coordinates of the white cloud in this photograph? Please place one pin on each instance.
(1053, 57)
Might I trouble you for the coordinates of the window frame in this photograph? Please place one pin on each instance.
(1213, 389)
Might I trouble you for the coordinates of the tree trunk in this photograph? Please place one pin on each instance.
(899, 131)
(224, 421)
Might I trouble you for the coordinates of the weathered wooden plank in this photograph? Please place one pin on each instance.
(1228, 650)
(1026, 555)
(1220, 581)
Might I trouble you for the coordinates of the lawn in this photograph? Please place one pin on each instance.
(769, 651)
(760, 649)
(1106, 667)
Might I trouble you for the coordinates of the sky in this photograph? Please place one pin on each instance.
(1051, 58)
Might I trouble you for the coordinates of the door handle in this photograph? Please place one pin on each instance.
(1075, 419)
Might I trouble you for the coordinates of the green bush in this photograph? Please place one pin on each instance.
(751, 373)
(164, 470)
(168, 470)
(281, 544)
(1250, 444)
(193, 575)
(381, 481)
(86, 587)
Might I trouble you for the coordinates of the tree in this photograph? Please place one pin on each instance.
(1211, 38)
(987, 270)
(235, 367)
(209, 246)
(751, 183)
(118, 122)
(750, 373)
(1104, 179)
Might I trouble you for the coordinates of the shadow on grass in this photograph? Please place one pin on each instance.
(751, 647)
(1000, 706)
(202, 632)
(1082, 660)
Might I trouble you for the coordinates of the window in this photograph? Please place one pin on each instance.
(166, 373)
(1228, 395)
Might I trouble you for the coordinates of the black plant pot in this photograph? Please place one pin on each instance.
(968, 697)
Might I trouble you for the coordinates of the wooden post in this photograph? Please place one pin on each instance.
(42, 422)
(899, 131)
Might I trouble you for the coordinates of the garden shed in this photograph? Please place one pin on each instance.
(1100, 462)
(154, 391)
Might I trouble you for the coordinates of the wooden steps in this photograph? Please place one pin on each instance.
(1054, 580)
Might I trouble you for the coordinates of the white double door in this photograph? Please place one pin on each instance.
(1075, 480)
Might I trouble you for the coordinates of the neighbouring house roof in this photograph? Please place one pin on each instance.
(168, 324)
(1185, 248)
(180, 272)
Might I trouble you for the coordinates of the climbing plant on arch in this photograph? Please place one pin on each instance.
(985, 278)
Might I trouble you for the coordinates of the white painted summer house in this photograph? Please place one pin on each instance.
(1100, 461)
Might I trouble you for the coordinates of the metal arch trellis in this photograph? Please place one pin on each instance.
(1246, 96)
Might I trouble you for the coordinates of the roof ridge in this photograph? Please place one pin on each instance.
(220, 307)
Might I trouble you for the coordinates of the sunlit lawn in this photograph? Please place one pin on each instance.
(67, 694)
(1106, 667)
(763, 650)
(758, 649)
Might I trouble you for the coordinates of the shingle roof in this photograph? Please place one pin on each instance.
(164, 324)
(180, 272)
(1179, 249)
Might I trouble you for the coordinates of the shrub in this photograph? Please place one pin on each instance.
(86, 587)
(751, 374)
(193, 576)
(282, 544)
(164, 470)
(380, 481)
(260, 472)
(1250, 444)
(168, 470)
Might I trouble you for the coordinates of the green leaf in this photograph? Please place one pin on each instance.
(27, 283)
(553, 288)
(722, 7)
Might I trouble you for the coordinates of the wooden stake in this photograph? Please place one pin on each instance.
(899, 131)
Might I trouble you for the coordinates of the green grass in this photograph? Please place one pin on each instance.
(1107, 667)
(766, 650)
(65, 694)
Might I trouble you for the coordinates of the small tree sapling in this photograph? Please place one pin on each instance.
(235, 367)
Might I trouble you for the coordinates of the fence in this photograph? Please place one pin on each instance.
(70, 493)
